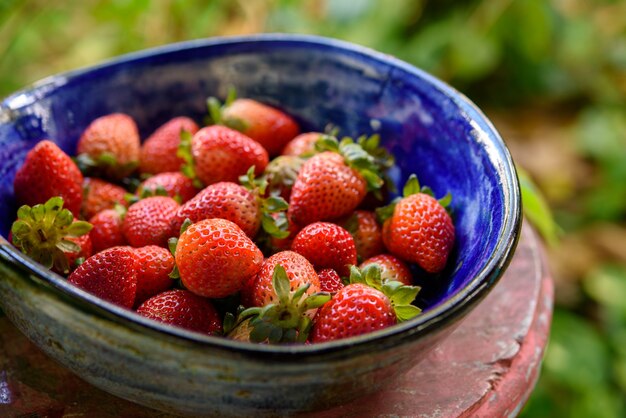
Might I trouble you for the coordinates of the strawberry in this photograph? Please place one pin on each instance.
(183, 309)
(326, 245)
(50, 235)
(365, 305)
(242, 204)
(48, 172)
(299, 272)
(302, 145)
(154, 266)
(214, 258)
(367, 233)
(284, 312)
(110, 274)
(418, 229)
(99, 195)
(159, 151)
(333, 183)
(110, 145)
(217, 153)
(268, 126)
(107, 229)
(354, 310)
(329, 280)
(391, 268)
(148, 221)
(173, 184)
(224, 200)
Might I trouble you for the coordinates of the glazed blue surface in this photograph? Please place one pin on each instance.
(431, 129)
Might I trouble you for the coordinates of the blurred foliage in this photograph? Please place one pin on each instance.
(550, 59)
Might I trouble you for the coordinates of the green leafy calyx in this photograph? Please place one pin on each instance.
(286, 320)
(41, 232)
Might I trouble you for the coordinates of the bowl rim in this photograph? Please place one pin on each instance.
(448, 311)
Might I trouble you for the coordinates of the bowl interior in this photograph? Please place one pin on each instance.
(432, 130)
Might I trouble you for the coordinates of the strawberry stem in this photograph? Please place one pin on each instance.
(40, 232)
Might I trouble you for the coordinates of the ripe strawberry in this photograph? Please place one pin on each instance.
(354, 310)
(242, 204)
(418, 229)
(333, 183)
(330, 280)
(183, 309)
(159, 151)
(299, 272)
(302, 145)
(326, 245)
(224, 200)
(50, 235)
(147, 222)
(47, 172)
(268, 126)
(107, 229)
(110, 275)
(173, 184)
(217, 153)
(110, 145)
(365, 305)
(214, 258)
(391, 268)
(367, 233)
(100, 195)
(154, 266)
(283, 313)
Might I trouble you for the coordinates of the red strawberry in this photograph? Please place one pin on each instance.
(330, 280)
(302, 145)
(418, 229)
(183, 309)
(367, 233)
(326, 245)
(110, 275)
(159, 152)
(215, 258)
(268, 126)
(299, 272)
(354, 310)
(154, 266)
(111, 144)
(366, 304)
(224, 200)
(148, 221)
(47, 172)
(217, 153)
(242, 204)
(333, 183)
(107, 229)
(173, 184)
(50, 235)
(391, 268)
(100, 195)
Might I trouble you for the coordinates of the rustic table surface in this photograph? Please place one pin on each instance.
(486, 368)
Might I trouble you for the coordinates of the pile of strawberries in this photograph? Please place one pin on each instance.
(244, 228)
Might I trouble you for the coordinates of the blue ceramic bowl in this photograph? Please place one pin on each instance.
(433, 131)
